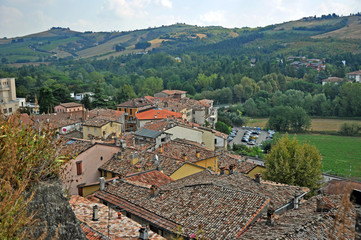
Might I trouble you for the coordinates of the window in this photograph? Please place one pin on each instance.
(10, 110)
(101, 158)
(5, 110)
(130, 111)
(79, 168)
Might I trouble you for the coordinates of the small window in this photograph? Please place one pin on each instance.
(79, 168)
(101, 158)
(10, 110)
(5, 110)
(113, 175)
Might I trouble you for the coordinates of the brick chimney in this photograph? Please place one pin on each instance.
(258, 177)
(120, 155)
(95, 213)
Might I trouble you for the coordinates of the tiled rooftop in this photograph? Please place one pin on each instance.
(333, 79)
(279, 194)
(304, 223)
(172, 92)
(146, 162)
(72, 147)
(60, 119)
(71, 104)
(135, 103)
(96, 122)
(191, 206)
(178, 147)
(152, 177)
(355, 72)
(107, 114)
(123, 228)
(157, 113)
(23, 118)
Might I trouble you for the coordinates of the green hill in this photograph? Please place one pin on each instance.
(308, 34)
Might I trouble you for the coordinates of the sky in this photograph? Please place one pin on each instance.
(23, 17)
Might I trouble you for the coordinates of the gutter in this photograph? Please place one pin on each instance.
(290, 203)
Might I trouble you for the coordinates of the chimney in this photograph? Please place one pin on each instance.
(270, 217)
(198, 154)
(102, 183)
(323, 205)
(119, 215)
(161, 149)
(231, 167)
(258, 178)
(95, 213)
(120, 155)
(155, 116)
(154, 191)
(185, 157)
(143, 233)
(222, 170)
(296, 202)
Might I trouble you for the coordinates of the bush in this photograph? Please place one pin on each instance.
(350, 129)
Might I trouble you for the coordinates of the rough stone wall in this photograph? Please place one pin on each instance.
(53, 214)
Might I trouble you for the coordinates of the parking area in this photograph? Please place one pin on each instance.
(249, 136)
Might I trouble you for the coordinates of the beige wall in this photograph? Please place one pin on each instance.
(64, 109)
(109, 128)
(208, 139)
(199, 116)
(8, 102)
(185, 133)
(91, 159)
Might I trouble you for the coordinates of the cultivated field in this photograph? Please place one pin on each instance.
(317, 124)
(341, 155)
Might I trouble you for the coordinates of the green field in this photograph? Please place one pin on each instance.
(339, 153)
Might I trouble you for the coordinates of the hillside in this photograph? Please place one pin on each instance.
(308, 34)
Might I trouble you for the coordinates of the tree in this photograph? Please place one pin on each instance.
(279, 118)
(142, 45)
(46, 100)
(293, 163)
(299, 120)
(125, 93)
(222, 127)
(86, 102)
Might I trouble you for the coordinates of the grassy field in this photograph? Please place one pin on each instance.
(339, 153)
(317, 124)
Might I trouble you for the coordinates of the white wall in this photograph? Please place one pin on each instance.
(185, 133)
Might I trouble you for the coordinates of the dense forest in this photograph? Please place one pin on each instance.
(252, 70)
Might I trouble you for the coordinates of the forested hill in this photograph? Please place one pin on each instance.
(325, 35)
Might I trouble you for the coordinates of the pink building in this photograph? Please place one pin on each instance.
(69, 107)
(83, 168)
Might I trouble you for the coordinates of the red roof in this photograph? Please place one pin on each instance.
(172, 92)
(354, 73)
(157, 113)
(152, 178)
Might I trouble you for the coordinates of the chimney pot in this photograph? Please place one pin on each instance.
(296, 202)
(258, 178)
(95, 213)
(270, 217)
(102, 183)
(143, 233)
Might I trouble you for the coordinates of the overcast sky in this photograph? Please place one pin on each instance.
(22, 17)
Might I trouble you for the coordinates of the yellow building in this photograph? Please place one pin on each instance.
(130, 108)
(101, 128)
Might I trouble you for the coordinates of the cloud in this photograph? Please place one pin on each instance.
(213, 17)
(10, 19)
(164, 3)
(128, 8)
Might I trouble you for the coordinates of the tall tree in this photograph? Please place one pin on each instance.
(46, 100)
(293, 163)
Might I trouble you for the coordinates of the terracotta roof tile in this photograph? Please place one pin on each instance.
(70, 104)
(190, 206)
(157, 113)
(123, 228)
(152, 177)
